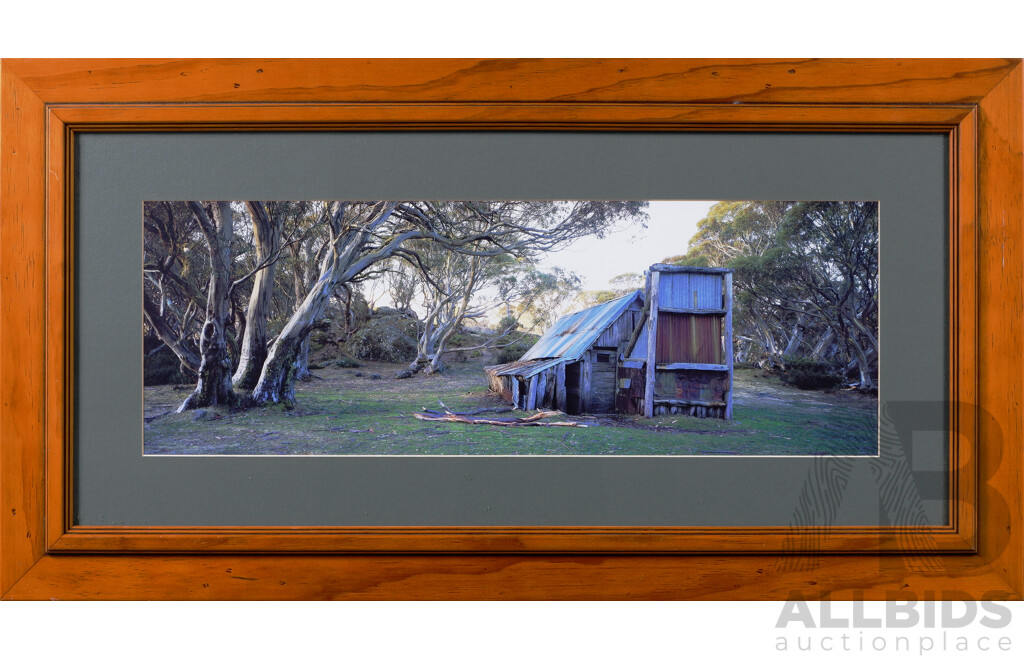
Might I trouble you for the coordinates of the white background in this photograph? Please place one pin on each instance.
(524, 28)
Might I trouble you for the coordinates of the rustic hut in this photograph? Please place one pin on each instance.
(601, 360)
(572, 367)
(688, 368)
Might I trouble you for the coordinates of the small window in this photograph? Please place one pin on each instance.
(604, 357)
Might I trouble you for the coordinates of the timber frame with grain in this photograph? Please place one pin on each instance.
(603, 359)
(976, 105)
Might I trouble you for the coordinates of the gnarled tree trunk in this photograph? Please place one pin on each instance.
(795, 338)
(253, 351)
(448, 297)
(214, 384)
(344, 260)
(821, 348)
(301, 284)
(281, 368)
(866, 384)
(771, 350)
(438, 327)
(863, 356)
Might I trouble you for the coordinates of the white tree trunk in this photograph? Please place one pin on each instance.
(767, 338)
(825, 342)
(253, 350)
(863, 368)
(795, 338)
(449, 308)
(863, 356)
(345, 260)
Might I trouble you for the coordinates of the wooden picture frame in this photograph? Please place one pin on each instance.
(977, 103)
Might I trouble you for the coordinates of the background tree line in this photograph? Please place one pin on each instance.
(234, 289)
(805, 297)
(806, 283)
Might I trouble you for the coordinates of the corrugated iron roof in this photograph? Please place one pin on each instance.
(571, 336)
(524, 368)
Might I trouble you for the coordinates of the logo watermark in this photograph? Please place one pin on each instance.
(906, 478)
(941, 622)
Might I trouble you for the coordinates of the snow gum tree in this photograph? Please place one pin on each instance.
(214, 375)
(327, 248)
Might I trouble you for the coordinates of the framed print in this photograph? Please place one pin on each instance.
(583, 329)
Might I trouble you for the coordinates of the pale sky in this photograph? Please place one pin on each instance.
(631, 249)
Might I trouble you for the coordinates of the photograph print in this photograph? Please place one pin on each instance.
(505, 328)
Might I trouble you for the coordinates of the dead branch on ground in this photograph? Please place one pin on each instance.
(532, 420)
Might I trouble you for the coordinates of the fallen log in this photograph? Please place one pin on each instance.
(470, 413)
(532, 420)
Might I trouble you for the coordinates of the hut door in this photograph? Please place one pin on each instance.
(602, 382)
(572, 388)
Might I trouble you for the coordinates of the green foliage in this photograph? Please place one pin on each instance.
(626, 282)
(389, 336)
(587, 299)
(163, 366)
(699, 260)
(809, 374)
(358, 305)
(321, 335)
(805, 280)
(542, 294)
(507, 324)
(622, 284)
(346, 362)
(388, 311)
(513, 352)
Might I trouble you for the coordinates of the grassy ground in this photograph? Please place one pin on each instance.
(367, 411)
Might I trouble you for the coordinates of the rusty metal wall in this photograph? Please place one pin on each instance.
(689, 338)
(687, 385)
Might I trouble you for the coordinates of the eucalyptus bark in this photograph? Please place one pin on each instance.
(347, 256)
(431, 343)
(862, 355)
(266, 232)
(767, 339)
(237, 331)
(214, 384)
(301, 285)
(825, 342)
(863, 368)
(795, 338)
(449, 310)
(433, 340)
